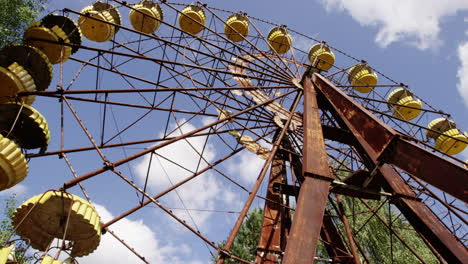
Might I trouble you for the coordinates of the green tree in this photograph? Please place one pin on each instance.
(245, 244)
(7, 228)
(370, 221)
(15, 16)
(377, 241)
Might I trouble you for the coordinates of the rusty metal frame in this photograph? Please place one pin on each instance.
(307, 222)
(382, 145)
(379, 144)
(391, 147)
(275, 218)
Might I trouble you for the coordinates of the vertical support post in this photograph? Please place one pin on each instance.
(270, 248)
(313, 196)
(278, 139)
(349, 233)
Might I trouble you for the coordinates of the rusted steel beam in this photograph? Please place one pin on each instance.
(393, 232)
(161, 61)
(430, 167)
(173, 187)
(338, 134)
(140, 90)
(114, 70)
(349, 233)
(126, 245)
(270, 248)
(391, 147)
(422, 219)
(395, 104)
(153, 140)
(91, 174)
(333, 242)
(368, 132)
(173, 216)
(357, 179)
(305, 231)
(372, 130)
(450, 207)
(416, 212)
(278, 139)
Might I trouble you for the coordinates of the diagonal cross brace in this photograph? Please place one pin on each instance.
(384, 145)
(392, 147)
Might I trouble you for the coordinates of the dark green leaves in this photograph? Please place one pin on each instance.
(15, 16)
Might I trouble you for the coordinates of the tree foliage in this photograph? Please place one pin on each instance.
(7, 228)
(377, 241)
(15, 16)
(245, 244)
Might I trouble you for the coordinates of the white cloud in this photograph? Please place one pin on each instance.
(247, 165)
(139, 236)
(414, 21)
(204, 192)
(303, 43)
(462, 74)
(208, 120)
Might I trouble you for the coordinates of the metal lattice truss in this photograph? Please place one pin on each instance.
(324, 146)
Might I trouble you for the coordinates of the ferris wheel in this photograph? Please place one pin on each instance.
(166, 105)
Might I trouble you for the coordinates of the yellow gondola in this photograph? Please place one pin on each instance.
(96, 30)
(45, 222)
(32, 62)
(451, 142)
(31, 129)
(323, 54)
(4, 254)
(50, 260)
(54, 28)
(403, 105)
(146, 16)
(13, 164)
(236, 27)
(56, 53)
(13, 80)
(68, 26)
(280, 40)
(192, 19)
(362, 78)
(438, 126)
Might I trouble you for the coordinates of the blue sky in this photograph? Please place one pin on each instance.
(421, 43)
